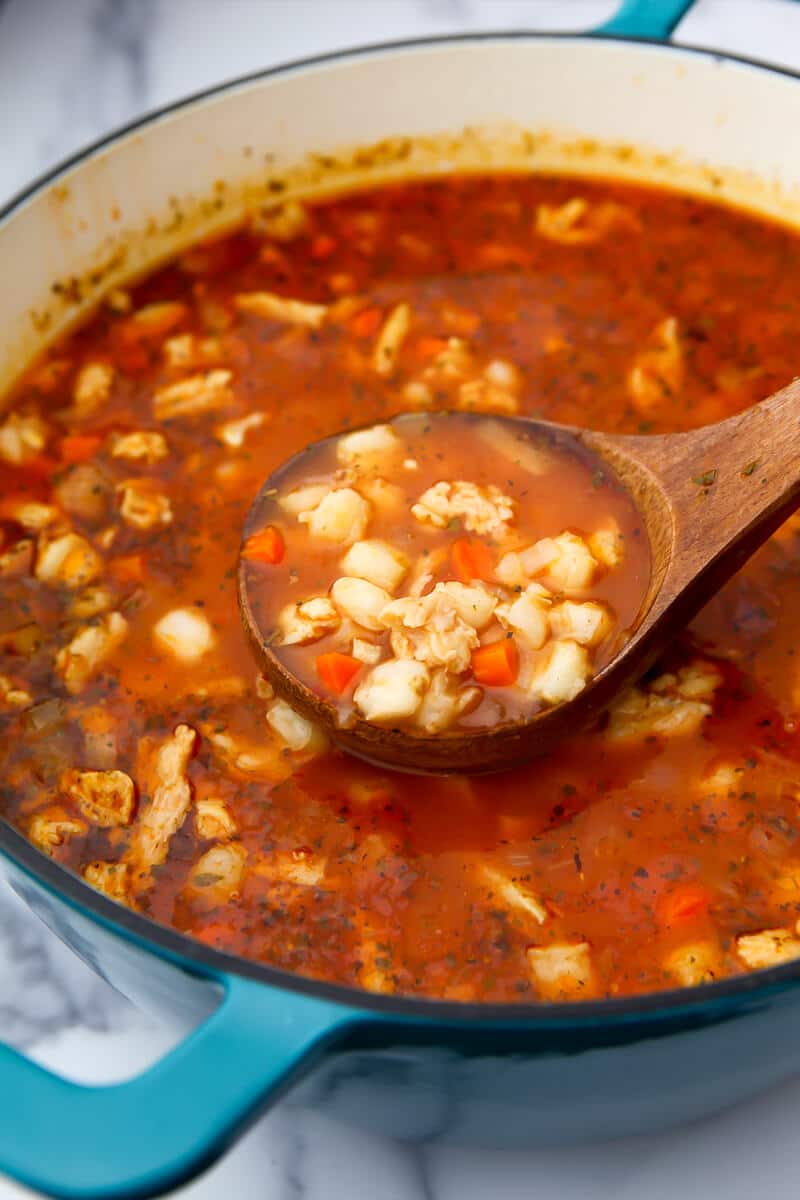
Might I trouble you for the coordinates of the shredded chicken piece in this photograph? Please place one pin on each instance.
(657, 373)
(366, 652)
(768, 948)
(160, 820)
(444, 702)
(89, 650)
(22, 438)
(528, 616)
(561, 673)
(142, 506)
(297, 732)
(368, 449)
(513, 447)
(608, 546)
(282, 308)
(217, 874)
(392, 690)
(302, 502)
(587, 624)
(483, 396)
(664, 709)
(213, 820)
(105, 798)
(143, 445)
(440, 628)
(17, 560)
(341, 516)
(376, 561)
(13, 696)
(53, 826)
(92, 388)
(301, 624)
(233, 433)
(283, 222)
(562, 971)
(187, 351)
(577, 223)
(32, 515)
(91, 602)
(263, 759)
(197, 394)
(67, 560)
(694, 963)
(156, 320)
(514, 894)
(110, 878)
(482, 510)
(185, 633)
(395, 330)
(361, 601)
(302, 869)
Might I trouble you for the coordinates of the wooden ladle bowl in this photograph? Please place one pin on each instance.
(708, 499)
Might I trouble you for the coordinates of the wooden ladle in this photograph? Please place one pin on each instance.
(708, 499)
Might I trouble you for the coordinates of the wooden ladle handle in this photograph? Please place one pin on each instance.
(722, 490)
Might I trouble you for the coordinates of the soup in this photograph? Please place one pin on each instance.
(138, 746)
(413, 596)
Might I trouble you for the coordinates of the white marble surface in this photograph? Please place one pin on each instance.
(69, 71)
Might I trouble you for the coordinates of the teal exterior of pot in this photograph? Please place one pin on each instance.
(513, 1076)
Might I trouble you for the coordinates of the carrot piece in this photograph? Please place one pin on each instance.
(471, 560)
(128, 568)
(266, 546)
(429, 347)
(363, 324)
(323, 246)
(496, 665)
(684, 903)
(337, 671)
(77, 447)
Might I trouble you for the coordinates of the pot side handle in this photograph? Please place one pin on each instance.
(654, 19)
(146, 1135)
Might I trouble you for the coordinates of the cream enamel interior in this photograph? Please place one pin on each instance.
(690, 120)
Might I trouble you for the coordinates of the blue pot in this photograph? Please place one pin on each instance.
(499, 1076)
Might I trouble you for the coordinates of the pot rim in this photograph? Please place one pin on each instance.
(214, 965)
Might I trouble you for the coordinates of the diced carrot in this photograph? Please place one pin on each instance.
(266, 546)
(471, 560)
(337, 671)
(429, 347)
(363, 324)
(271, 256)
(496, 665)
(688, 901)
(323, 246)
(128, 568)
(77, 447)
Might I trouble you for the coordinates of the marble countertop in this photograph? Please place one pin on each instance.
(104, 63)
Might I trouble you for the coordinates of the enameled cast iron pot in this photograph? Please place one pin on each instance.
(497, 1076)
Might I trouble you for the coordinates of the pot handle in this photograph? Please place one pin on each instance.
(654, 19)
(148, 1134)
